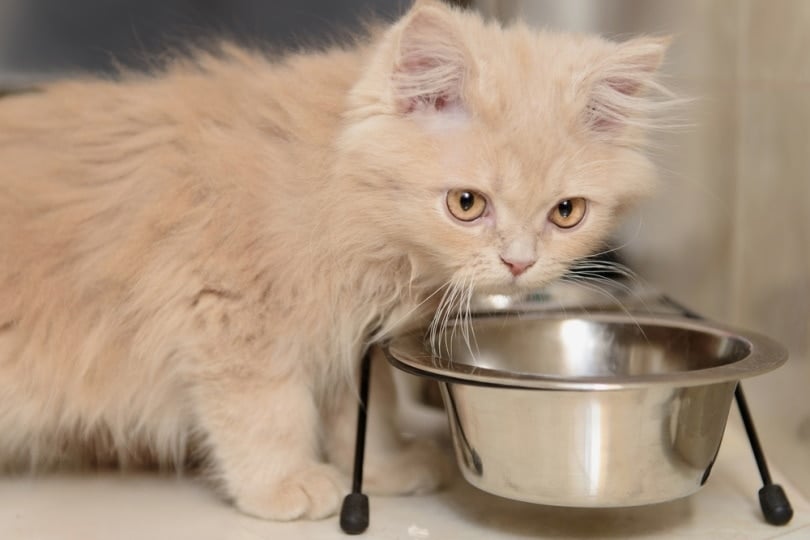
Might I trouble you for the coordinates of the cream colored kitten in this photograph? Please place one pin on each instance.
(192, 263)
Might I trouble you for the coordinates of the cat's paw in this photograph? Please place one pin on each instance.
(421, 466)
(314, 492)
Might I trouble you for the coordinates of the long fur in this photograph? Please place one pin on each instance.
(192, 261)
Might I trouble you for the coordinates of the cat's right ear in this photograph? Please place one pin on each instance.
(431, 61)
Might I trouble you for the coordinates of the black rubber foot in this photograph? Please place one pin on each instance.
(775, 505)
(354, 514)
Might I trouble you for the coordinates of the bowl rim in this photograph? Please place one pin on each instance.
(407, 353)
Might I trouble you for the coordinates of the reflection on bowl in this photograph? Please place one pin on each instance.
(588, 410)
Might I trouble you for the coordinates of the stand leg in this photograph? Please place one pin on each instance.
(772, 498)
(354, 514)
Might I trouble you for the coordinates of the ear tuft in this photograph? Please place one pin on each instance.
(431, 60)
(617, 92)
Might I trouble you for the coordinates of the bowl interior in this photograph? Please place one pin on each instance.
(587, 348)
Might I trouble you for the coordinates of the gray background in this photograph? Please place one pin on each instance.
(48, 37)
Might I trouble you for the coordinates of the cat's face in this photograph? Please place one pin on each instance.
(497, 157)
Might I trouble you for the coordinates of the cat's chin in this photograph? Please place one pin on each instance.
(515, 287)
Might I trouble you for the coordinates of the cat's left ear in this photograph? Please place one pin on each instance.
(431, 60)
(618, 86)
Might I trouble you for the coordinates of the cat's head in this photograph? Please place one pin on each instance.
(498, 156)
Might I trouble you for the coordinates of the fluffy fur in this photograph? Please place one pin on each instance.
(191, 262)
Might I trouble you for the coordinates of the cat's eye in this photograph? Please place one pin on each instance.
(466, 204)
(568, 213)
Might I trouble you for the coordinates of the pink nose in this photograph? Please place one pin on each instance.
(517, 267)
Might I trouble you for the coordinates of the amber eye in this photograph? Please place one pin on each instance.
(465, 204)
(568, 212)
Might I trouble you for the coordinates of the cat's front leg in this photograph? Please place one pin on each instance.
(262, 428)
(394, 465)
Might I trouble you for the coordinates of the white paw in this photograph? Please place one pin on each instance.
(421, 466)
(312, 493)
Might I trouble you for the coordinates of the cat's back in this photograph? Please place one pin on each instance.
(104, 180)
(88, 157)
(206, 110)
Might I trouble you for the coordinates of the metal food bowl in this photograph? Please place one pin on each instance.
(599, 410)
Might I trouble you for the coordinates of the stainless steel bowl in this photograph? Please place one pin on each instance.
(589, 410)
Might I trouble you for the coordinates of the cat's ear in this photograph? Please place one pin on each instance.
(618, 91)
(431, 60)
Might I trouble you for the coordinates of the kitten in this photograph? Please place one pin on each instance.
(192, 263)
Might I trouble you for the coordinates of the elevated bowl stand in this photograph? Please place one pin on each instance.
(355, 512)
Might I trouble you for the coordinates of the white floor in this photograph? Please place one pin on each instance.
(116, 506)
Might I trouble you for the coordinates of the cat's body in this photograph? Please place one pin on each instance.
(193, 263)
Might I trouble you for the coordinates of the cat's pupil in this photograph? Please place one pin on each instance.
(466, 200)
(565, 208)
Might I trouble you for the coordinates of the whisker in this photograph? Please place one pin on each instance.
(595, 276)
(434, 329)
(463, 308)
(470, 326)
(459, 314)
(452, 312)
(456, 314)
(593, 285)
(607, 266)
(445, 316)
(390, 325)
(592, 269)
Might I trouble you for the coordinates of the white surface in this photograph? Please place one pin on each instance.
(145, 506)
